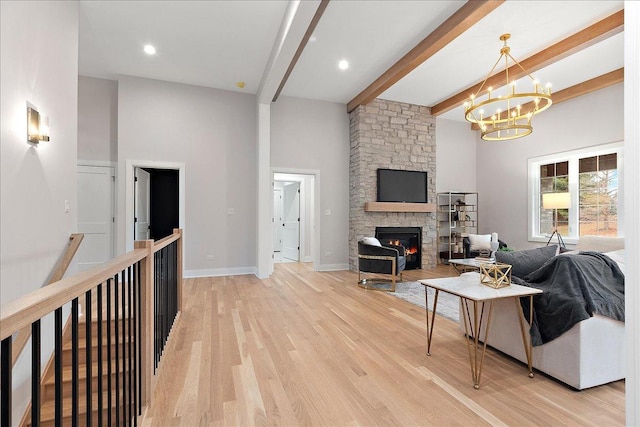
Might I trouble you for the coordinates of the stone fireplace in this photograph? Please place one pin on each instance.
(390, 135)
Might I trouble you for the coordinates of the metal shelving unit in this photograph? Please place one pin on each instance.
(457, 216)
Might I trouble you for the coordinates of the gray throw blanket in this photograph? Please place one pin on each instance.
(575, 287)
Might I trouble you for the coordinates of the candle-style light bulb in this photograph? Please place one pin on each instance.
(548, 89)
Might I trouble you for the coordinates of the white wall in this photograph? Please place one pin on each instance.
(502, 166)
(213, 132)
(455, 156)
(39, 65)
(314, 135)
(97, 119)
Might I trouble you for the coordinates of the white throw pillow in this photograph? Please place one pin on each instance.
(480, 242)
(372, 241)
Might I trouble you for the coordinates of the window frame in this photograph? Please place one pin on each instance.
(573, 157)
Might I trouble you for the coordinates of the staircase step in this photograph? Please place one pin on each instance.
(47, 412)
(49, 388)
(67, 348)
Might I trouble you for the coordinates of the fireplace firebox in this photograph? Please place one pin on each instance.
(409, 237)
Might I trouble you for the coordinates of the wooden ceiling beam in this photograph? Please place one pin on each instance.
(592, 85)
(591, 35)
(303, 43)
(463, 19)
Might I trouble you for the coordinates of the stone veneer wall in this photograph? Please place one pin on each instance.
(391, 135)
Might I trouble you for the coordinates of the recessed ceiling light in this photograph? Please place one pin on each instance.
(343, 64)
(149, 50)
(240, 85)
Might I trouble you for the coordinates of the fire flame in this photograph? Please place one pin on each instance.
(407, 251)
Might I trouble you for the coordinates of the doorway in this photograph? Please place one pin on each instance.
(156, 201)
(177, 170)
(287, 221)
(293, 217)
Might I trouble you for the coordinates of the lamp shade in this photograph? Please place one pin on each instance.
(556, 200)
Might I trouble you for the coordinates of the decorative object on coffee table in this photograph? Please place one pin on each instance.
(495, 275)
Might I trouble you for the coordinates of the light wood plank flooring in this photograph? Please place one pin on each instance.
(310, 348)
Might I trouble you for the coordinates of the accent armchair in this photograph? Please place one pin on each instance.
(468, 253)
(388, 259)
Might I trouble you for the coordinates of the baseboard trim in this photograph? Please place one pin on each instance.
(215, 272)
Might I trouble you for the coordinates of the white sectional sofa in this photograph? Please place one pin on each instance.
(591, 353)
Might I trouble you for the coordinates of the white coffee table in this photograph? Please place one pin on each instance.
(471, 292)
(463, 265)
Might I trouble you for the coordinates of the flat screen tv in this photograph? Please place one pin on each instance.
(402, 186)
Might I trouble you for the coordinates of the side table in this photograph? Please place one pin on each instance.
(474, 296)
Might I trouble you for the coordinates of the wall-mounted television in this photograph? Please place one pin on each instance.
(402, 186)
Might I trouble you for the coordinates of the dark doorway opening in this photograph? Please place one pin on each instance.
(163, 202)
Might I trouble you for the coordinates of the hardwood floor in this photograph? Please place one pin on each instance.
(311, 348)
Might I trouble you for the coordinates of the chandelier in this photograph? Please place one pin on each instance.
(507, 115)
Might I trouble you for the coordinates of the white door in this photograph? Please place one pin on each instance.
(291, 223)
(277, 220)
(141, 204)
(96, 186)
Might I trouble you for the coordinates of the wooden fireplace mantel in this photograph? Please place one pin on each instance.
(399, 207)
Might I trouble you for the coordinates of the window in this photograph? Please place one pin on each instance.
(590, 177)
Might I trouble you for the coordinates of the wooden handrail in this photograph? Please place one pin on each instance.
(20, 313)
(166, 241)
(23, 312)
(61, 268)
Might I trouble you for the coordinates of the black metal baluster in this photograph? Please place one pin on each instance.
(174, 264)
(109, 356)
(58, 367)
(6, 380)
(170, 286)
(74, 362)
(156, 316)
(130, 411)
(35, 373)
(87, 330)
(138, 338)
(124, 347)
(116, 338)
(100, 349)
(165, 313)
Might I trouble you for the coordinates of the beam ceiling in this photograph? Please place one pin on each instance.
(463, 19)
(591, 35)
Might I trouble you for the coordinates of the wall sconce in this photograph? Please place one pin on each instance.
(36, 131)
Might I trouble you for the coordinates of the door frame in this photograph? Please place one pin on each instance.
(315, 225)
(130, 165)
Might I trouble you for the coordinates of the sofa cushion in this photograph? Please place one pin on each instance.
(526, 261)
(480, 242)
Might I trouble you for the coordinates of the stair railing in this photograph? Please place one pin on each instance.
(22, 337)
(135, 294)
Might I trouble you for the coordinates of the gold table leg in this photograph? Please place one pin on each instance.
(433, 316)
(473, 342)
(525, 342)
